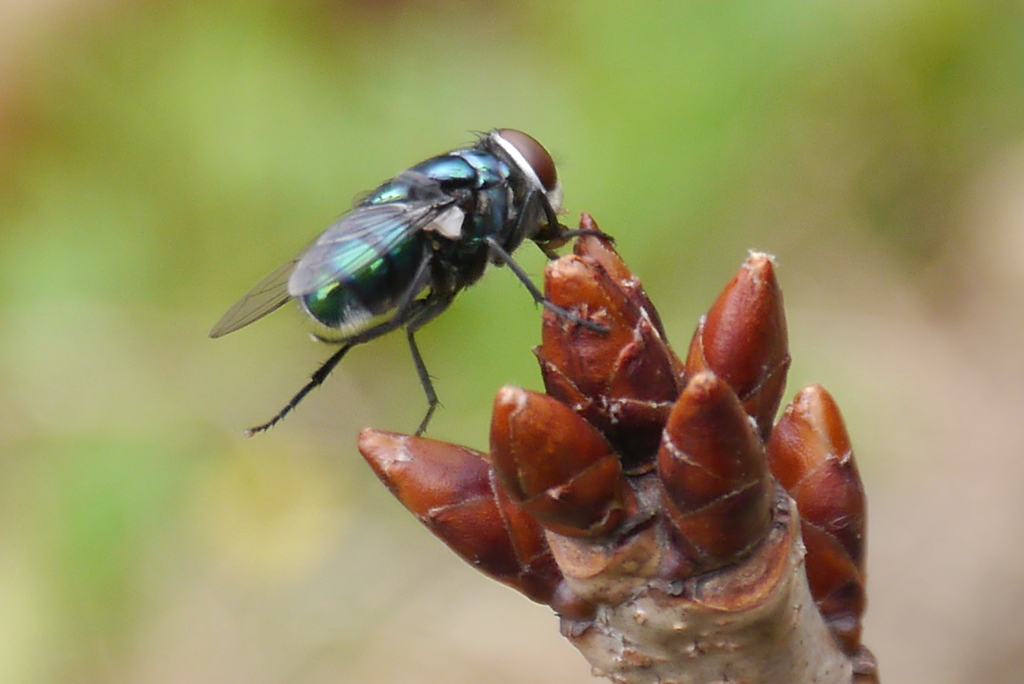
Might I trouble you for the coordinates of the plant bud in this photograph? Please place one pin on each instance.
(743, 340)
(719, 490)
(449, 489)
(622, 381)
(810, 454)
(557, 466)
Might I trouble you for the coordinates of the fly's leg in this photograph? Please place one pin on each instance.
(567, 234)
(408, 309)
(551, 236)
(500, 255)
(554, 234)
(430, 311)
(315, 381)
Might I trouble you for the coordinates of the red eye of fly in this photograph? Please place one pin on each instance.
(534, 154)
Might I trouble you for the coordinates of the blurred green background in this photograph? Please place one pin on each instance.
(158, 158)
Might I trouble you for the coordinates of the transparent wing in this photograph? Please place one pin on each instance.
(362, 236)
(268, 295)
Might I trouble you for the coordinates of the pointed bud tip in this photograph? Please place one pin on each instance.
(510, 397)
(381, 448)
(815, 405)
(761, 261)
(587, 221)
(702, 393)
(595, 244)
(704, 386)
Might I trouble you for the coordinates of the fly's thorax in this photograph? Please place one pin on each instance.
(448, 172)
(456, 264)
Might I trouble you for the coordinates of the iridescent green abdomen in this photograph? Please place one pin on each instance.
(357, 296)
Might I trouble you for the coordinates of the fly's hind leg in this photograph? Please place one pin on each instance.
(315, 381)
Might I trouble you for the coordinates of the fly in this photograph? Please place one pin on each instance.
(402, 254)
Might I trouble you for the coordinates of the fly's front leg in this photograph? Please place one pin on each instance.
(553, 235)
(500, 255)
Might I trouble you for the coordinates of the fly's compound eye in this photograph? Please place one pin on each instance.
(534, 154)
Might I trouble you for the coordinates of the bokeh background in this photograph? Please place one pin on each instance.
(158, 158)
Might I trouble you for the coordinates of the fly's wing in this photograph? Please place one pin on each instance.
(268, 295)
(353, 242)
(365, 234)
